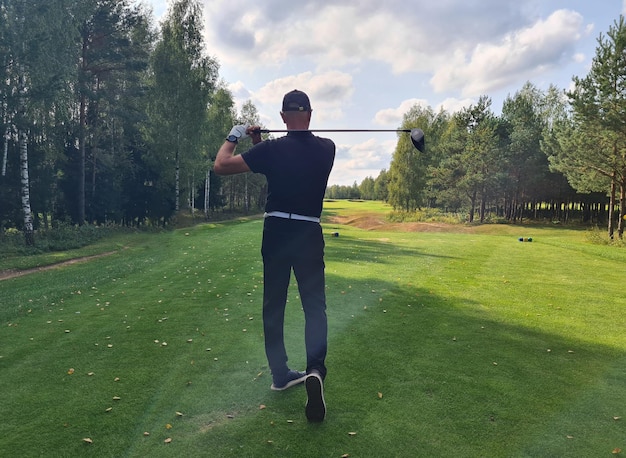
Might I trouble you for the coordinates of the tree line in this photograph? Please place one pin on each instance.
(549, 154)
(107, 118)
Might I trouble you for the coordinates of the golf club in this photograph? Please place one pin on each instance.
(417, 135)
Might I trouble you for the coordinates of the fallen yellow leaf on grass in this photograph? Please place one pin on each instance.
(116, 398)
(70, 371)
(87, 440)
(168, 440)
(168, 426)
(380, 395)
(351, 433)
(616, 451)
(180, 414)
(262, 406)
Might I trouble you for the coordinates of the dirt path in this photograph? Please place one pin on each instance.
(6, 274)
(373, 221)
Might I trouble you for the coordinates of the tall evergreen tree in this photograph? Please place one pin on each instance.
(526, 165)
(113, 52)
(593, 147)
(469, 173)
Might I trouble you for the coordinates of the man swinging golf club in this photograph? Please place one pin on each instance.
(297, 167)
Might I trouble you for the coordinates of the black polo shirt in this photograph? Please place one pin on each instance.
(297, 167)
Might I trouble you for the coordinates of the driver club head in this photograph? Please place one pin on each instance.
(417, 138)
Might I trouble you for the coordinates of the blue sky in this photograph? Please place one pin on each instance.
(365, 63)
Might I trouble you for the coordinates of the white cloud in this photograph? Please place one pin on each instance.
(408, 38)
(453, 105)
(393, 116)
(521, 54)
(329, 92)
(357, 162)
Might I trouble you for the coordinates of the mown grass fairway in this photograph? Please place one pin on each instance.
(464, 343)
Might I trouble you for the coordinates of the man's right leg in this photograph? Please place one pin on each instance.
(276, 276)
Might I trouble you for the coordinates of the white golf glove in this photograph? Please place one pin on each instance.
(239, 132)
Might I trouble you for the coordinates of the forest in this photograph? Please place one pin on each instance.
(110, 119)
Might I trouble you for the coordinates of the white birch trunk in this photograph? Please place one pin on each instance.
(7, 132)
(246, 203)
(25, 192)
(177, 185)
(207, 190)
(29, 232)
(5, 154)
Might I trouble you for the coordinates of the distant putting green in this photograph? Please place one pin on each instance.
(443, 341)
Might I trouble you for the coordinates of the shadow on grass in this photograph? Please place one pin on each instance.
(429, 377)
(347, 248)
(412, 373)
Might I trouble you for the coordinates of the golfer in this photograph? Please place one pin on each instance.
(297, 167)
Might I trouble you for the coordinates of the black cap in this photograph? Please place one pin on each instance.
(296, 101)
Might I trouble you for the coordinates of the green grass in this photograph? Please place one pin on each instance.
(440, 344)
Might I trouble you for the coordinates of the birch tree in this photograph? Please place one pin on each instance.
(36, 36)
(184, 79)
(221, 117)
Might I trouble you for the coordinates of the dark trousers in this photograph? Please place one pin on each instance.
(297, 245)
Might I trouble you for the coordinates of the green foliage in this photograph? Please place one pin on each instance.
(184, 79)
(592, 144)
(600, 237)
(61, 237)
(406, 179)
(427, 215)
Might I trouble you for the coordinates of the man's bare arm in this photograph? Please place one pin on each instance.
(227, 163)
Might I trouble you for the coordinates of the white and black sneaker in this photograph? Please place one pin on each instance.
(315, 409)
(290, 379)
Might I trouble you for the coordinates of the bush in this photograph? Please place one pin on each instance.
(59, 238)
(428, 215)
(600, 237)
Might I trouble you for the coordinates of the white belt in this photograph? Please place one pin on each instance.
(284, 215)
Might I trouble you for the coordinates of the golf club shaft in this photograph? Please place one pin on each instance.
(267, 131)
(417, 135)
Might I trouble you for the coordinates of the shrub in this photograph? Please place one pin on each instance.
(62, 236)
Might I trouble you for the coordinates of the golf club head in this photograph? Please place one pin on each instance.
(417, 137)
